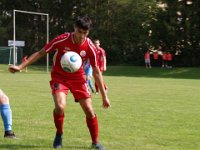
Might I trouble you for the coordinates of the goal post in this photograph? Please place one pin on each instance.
(14, 32)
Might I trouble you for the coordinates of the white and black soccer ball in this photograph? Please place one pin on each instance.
(71, 62)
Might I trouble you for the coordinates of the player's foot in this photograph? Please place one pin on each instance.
(57, 141)
(92, 91)
(9, 134)
(97, 146)
(97, 93)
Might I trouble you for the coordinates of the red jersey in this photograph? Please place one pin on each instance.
(169, 56)
(155, 55)
(101, 58)
(164, 57)
(147, 56)
(63, 43)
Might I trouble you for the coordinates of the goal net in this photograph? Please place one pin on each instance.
(6, 55)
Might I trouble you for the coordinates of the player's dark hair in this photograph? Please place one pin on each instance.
(83, 22)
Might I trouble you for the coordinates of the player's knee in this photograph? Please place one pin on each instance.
(89, 113)
(60, 108)
(3, 99)
(59, 111)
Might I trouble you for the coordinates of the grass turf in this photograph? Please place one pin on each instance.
(152, 109)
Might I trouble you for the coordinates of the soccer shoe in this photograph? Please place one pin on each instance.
(9, 134)
(97, 146)
(57, 141)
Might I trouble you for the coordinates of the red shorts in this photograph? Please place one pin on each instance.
(79, 88)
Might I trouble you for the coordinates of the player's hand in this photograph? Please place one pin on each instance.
(106, 103)
(14, 69)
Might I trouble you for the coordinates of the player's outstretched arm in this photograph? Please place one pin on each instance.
(33, 58)
(99, 80)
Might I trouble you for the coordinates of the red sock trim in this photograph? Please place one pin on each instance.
(93, 128)
(58, 121)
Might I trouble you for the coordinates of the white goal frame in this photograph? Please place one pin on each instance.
(14, 33)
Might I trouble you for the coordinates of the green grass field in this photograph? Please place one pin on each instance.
(152, 109)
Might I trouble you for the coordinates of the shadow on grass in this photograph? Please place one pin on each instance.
(155, 72)
(76, 147)
(25, 147)
(129, 71)
(18, 146)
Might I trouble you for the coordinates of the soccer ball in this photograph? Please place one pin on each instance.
(71, 62)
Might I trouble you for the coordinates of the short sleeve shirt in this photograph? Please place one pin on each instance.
(101, 55)
(64, 43)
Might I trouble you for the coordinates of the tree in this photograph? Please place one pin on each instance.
(126, 28)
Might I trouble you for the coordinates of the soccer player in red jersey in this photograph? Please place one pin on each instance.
(164, 60)
(62, 81)
(101, 61)
(155, 55)
(169, 59)
(147, 59)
